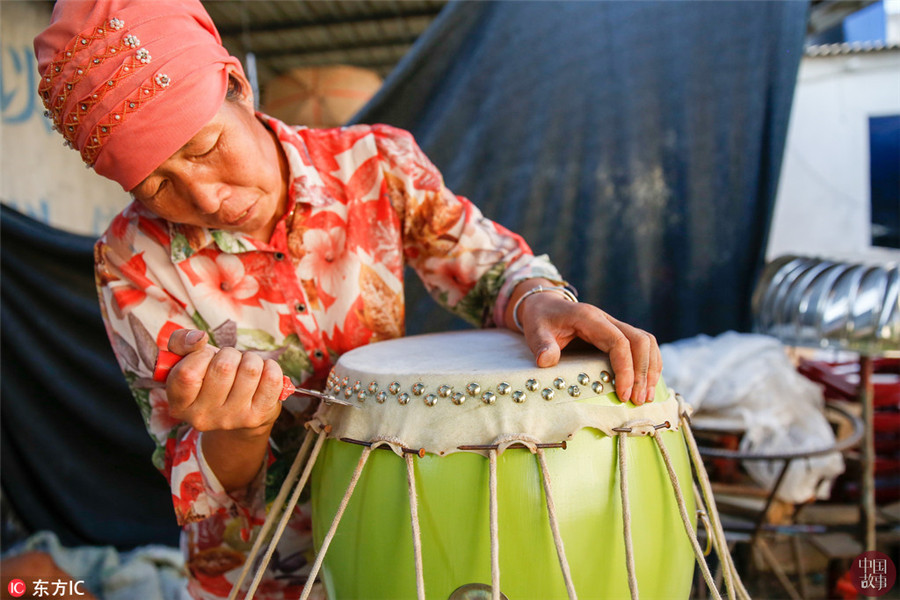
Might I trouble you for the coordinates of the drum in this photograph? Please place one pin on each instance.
(462, 467)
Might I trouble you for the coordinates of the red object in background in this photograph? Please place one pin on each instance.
(841, 382)
(887, 422)
(844, 588)
(725, 470)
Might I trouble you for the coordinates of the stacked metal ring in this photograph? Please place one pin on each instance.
(819, 302)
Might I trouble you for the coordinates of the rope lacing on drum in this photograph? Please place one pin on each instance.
(641, 427)
(394, 443)
(495, 529)
(275, 511)
(320, 556)
(704, 518)
(707, 514)
(733, 584)
(414, 518)
(685, 518)
(408, 454)
(500, 445)
(503, 442)
(631, 428)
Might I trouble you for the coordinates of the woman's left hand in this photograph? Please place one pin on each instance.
(550, 322)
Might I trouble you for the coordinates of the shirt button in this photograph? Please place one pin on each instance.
(279, 256)
(300, 307)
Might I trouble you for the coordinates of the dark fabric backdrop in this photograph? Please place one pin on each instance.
(638, 143)
(74, 452)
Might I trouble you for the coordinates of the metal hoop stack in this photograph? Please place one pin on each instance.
(826, 303)
(846, 306)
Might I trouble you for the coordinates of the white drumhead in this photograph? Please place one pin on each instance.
(487, 357)
(445, 390)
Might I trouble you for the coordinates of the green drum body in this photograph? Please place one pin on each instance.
(371, 555)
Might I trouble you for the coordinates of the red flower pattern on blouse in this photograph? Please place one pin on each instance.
(221, 279)
(366, 203)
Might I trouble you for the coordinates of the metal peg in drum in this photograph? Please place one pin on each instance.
(166, 360)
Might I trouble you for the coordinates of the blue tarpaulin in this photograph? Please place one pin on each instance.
(637, 143)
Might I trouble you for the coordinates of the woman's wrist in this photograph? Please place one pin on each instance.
(523, 294)
(538, 290)
(524, 291)
(235, 455)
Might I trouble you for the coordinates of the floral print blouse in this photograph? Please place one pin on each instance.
(365, 202)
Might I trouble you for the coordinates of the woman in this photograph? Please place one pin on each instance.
(254, 249)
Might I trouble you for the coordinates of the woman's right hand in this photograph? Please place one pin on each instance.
(215, 389)
(229, 395)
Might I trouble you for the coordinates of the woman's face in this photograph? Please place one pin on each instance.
(232, 175)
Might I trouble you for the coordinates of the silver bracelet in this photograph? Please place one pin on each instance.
(537, 290)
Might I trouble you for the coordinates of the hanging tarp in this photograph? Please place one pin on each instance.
(637, 143)
(75, 454)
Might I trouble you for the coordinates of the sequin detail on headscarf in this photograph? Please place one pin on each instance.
(68, 123)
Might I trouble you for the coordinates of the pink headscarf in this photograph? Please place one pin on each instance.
(129, 82)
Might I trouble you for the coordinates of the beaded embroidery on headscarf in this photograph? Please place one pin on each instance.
(67, 124)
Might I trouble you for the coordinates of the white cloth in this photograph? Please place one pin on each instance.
(150, 572)
(747, 380)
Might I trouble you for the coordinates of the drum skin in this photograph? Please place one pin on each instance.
(371, 557)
